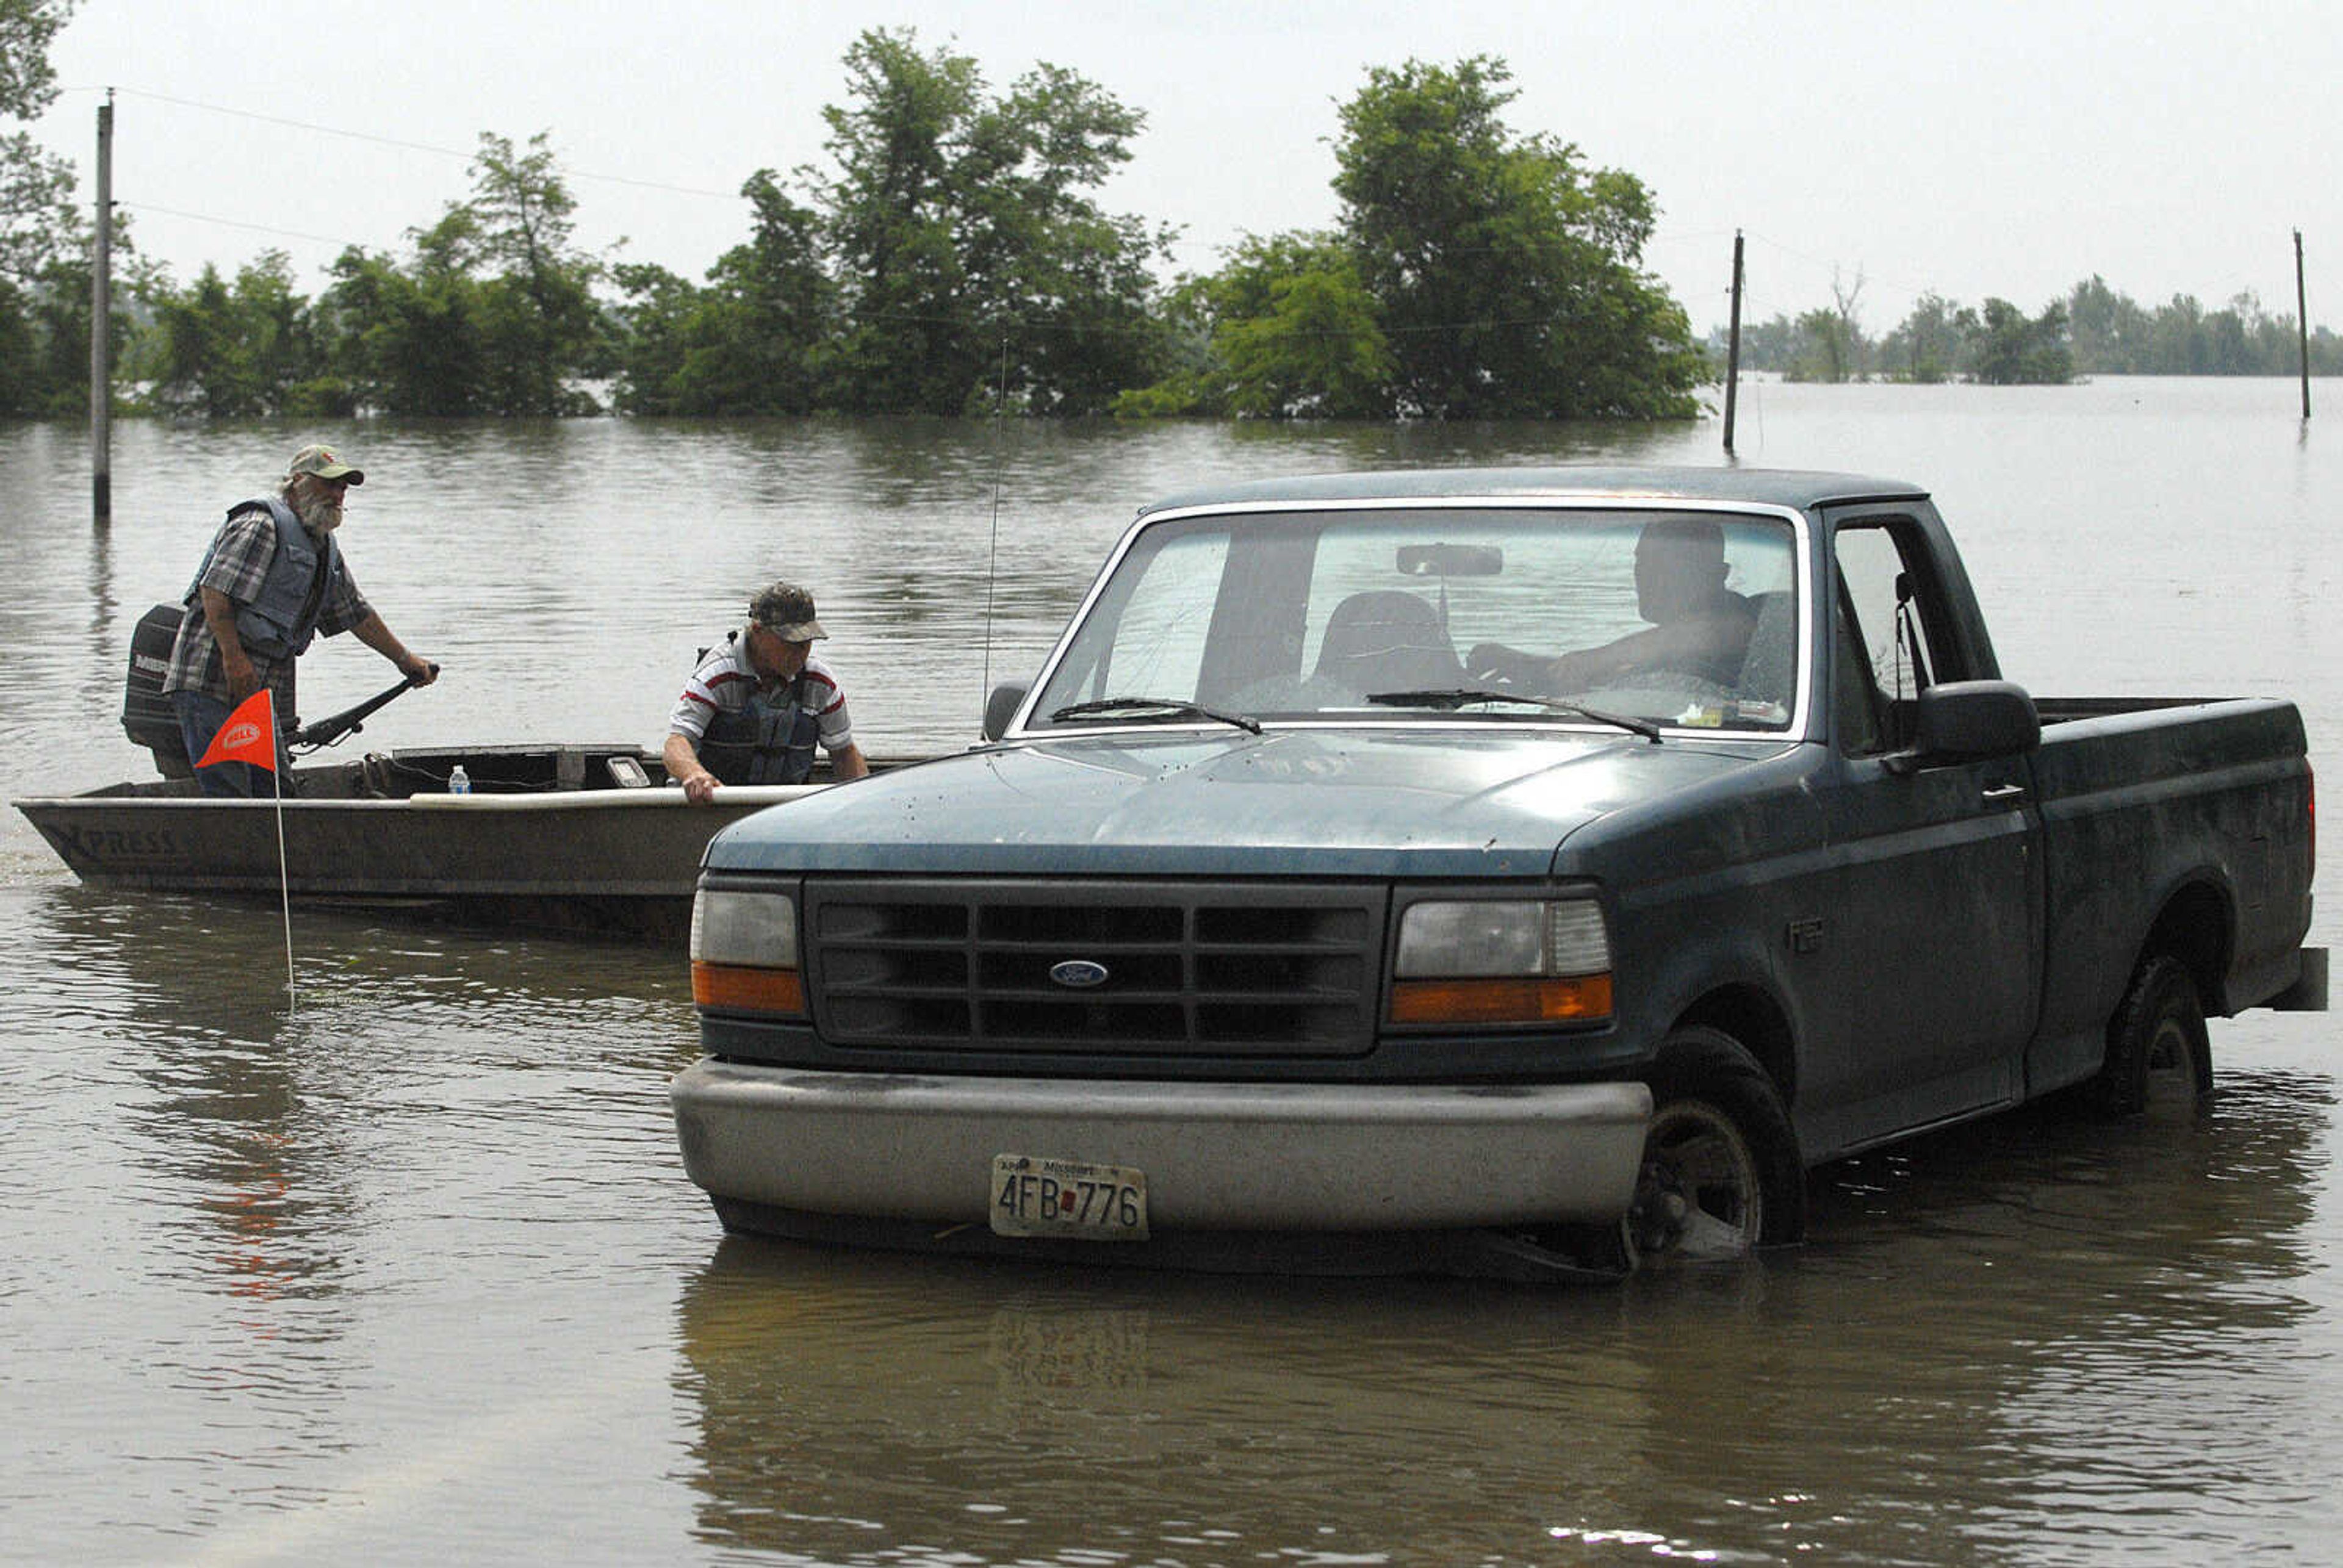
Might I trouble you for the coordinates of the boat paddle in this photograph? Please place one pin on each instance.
(349, 721)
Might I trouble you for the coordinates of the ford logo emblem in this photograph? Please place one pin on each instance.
(1078, 973)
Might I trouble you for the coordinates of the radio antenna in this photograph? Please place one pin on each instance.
(993, 548)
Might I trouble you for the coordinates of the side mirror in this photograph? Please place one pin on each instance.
(1972, 721)
(1000, 708)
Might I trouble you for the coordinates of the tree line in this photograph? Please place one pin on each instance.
(2093, 330)
(951, 258)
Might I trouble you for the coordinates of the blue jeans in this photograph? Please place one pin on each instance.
(200, 718)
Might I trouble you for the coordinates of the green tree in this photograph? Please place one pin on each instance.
(494, 314)
(235, 351)
(1927, 346)
(1293, 334)
(2013, 349)
(2109, 333)
(1824, 351)
(58, 324)
(1830, 345)
(409, 339)
(1069, 286)
(19, 355)
(1768, 344)
(753, 341)
(44, 238)
(2177, 343)
(911, 341)
(651, 321)
(199, 370)
(538, 322)
(960, 222)
(39, 223)
(1508, 273)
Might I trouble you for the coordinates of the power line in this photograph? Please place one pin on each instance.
(231, 223)
(408, 146)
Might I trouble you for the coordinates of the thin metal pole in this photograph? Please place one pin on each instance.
(101, 330)
(2302, 322)
(1733, 349)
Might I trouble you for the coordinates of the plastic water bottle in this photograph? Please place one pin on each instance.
(459, 781)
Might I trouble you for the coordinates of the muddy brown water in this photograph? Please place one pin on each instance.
(408, 1270)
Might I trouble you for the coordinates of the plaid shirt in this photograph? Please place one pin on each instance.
(247, 543)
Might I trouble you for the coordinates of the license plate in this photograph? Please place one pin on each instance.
(1032, 1196)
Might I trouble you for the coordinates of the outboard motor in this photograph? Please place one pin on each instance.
(147, 716)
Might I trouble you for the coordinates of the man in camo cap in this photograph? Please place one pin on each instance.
(273, 580)
(759, 703)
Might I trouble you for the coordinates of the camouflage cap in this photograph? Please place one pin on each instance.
(323, 462)
(786, 610)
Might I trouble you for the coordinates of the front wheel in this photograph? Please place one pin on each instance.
(1721, 1172)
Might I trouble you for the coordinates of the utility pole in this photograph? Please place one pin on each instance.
(101, 330)
(2302, 323)
(1733, 348)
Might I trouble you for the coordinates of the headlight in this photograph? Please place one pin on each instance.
(1501, 961)
(744, 952)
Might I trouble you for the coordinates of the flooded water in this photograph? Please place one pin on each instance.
(408, 1270)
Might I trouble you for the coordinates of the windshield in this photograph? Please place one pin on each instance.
(1679, 619)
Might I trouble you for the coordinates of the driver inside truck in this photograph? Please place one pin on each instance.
(1698, 627)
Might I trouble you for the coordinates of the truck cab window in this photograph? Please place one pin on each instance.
(1882, 659)
(1855, 700)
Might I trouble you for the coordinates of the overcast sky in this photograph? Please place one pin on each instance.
(1973, 149)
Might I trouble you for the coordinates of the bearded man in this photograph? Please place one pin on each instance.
(273, 580)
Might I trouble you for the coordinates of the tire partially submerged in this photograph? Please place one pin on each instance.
(2159, 1058)
(1720, 1173)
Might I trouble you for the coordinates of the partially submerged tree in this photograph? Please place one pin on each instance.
(1508, 273)
(1474, 273)
(45, 239)
(541, 327)
(963, 227)
(494, 312)
(754, 340)
(1292, 333)
(39, 224)
(1928, 348)
(2013, 349)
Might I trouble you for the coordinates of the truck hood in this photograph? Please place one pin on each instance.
(1301, 803)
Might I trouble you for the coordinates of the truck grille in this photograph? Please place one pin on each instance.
(1175, 967)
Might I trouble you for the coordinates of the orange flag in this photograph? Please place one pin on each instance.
(248, 735)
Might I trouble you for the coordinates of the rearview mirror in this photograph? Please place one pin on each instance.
(1451, 560)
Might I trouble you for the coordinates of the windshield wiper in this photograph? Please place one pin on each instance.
(1457, 697)
(1154, 708)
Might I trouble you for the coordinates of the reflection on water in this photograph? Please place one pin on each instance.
(1985, 1352)
(274, 1256)
(409, 1271)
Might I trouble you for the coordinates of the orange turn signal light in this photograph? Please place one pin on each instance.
(1580, 998)
(739, 988)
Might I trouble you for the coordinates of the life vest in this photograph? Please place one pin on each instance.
(768, 741)
(283, 617)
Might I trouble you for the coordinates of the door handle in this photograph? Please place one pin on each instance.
(2003, 794)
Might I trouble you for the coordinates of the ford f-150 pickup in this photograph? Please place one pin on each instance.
(1523, 872)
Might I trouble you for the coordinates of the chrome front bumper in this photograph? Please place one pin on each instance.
(1286, 1157)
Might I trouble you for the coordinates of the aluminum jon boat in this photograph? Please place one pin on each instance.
(578, 838)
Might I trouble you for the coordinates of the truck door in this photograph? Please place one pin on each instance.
(1922, 959)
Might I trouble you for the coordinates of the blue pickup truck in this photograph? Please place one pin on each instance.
(1520, 871)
